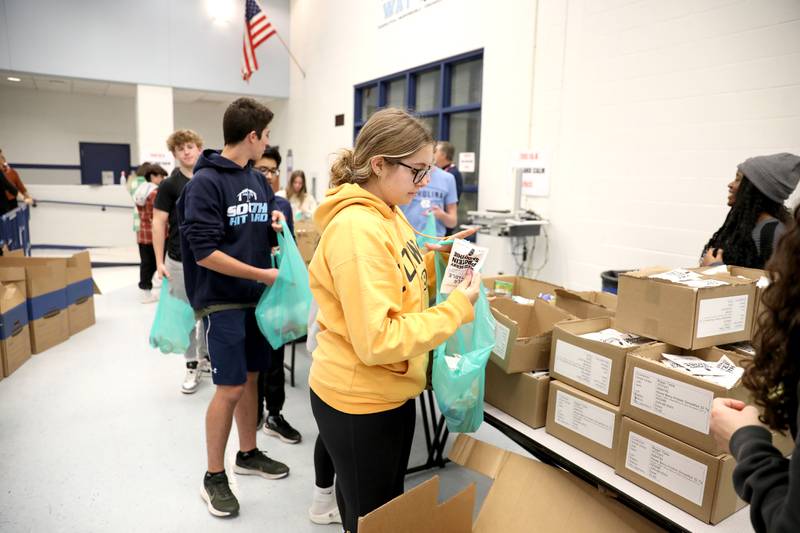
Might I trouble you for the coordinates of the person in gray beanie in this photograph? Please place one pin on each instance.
(757, 218)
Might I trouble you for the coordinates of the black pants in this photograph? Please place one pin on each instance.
(370, 455)
(272, 383)
(147, 267)
(323, 465)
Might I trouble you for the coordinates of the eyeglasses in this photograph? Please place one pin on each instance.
(267, 171)
(417, 173)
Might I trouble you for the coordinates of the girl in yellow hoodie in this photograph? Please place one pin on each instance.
(372, 284)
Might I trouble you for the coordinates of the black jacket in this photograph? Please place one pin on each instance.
(766, 479)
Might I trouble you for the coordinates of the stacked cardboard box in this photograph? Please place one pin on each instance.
(583, 408)
(516, 377)
(15, 344)
(665, 445)
(59, 296)
(587, 304)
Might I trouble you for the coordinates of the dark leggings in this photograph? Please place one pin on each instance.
(370, 455)
(323, 465)
(147, 266)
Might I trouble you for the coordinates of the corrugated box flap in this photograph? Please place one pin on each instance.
(478, 456)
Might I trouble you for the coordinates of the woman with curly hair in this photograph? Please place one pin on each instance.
(757, 219)
(763, 477)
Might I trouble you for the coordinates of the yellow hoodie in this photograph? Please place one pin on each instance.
(370, 281)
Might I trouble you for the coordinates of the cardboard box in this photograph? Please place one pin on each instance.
(697, 482)
(685, 316)
(307, 237)
(587, 304)
(525, 287)
(15, 344)
(583, 421)
(672, 401)
(523, 395)
(591, 366)
(523, 334)
(524, 492)
(755, 275)
(80, 292)
(46, 288)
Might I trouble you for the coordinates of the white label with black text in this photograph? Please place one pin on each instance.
(585, 419)
(674, 400)
(501, 334)
(583, 366)
(718, 316)
(664, 466)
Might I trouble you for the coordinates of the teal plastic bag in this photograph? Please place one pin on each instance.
(459, 365)
(173, 324)
(282, 310)
(429, 233)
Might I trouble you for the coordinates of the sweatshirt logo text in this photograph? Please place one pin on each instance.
(248, 209)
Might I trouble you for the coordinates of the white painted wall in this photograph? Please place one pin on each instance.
(644, 107)
(647, 109)
(173, 43)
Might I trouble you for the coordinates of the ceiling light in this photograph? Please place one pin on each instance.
(221, 11)
(14, 78)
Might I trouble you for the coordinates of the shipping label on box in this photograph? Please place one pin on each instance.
(584, 366)
(584, 418)
(680, 474)
(674, 400)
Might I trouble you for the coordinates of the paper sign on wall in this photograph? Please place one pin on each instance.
(466, 161)
(535, 180)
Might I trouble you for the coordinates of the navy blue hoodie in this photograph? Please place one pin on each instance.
(224, 207)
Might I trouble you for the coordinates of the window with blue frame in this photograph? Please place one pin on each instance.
(446, 95)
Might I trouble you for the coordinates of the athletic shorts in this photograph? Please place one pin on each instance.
(235, 345)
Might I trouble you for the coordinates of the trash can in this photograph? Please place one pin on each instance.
(610, 280)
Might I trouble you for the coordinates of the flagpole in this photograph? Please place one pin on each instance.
(278, 35)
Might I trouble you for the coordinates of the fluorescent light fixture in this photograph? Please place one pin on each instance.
(221, 11)
(13, 78)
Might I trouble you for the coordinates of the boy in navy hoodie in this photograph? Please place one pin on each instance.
(228, 228)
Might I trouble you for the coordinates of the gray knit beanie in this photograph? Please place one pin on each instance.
(774, 175)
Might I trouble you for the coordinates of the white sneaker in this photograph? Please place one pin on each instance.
(147, 297)
(191, 381)
(324, 509)
(204, 366)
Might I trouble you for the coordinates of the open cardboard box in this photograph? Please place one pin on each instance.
(523, 334)
(525, 287)
(697, 482)
(583, 421)
(587, 304)
(672, 401)
(15, 341)
(526, 495)
(523, 395)
(686, 316)
(591, 366)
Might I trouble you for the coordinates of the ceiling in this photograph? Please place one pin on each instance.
(61, 84)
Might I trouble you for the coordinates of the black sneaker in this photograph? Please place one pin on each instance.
(218, 495)
(257, 463)
(277, 426)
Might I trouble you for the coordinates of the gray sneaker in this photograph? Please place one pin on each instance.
(258, 464)
(218, 495)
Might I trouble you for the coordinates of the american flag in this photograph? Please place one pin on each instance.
(257, 29)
